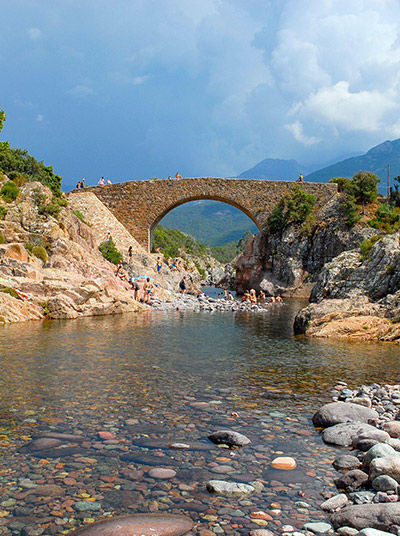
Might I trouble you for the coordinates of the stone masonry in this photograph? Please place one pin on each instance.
(141, 205)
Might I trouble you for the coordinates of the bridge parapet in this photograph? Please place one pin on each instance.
(141, 205)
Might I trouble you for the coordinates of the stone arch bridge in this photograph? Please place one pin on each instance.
(141, 205)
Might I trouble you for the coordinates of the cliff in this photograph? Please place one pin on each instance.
(50, 264)
(357, 296)
(289, 264)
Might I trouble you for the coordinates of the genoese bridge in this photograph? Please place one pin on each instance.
(141, 205)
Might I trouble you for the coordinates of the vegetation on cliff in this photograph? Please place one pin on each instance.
(295, 208)
(110, 252)
(16, 163)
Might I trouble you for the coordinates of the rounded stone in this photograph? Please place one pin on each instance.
(44, 443)
(384, 483)
(284, 462)
(229, 437)
(140, 524)
(105, 435)
(346, 462)
(392, 428)
(161, 473)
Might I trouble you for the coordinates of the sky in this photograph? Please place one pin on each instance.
(133, 89)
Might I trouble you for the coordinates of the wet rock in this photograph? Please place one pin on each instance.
(105, 435)
(351, 480)
(362, 497)
(346, 462)
(179, 446)
(143, 524)
(385, 483)
(60, 452)
(380, 450)
(47, 490)
(284, 462)
(222, 469)
(388, 465)
(64, 437)
(362, 401)
(230, 438)
(319, 528)
(261, 532)
(344, 433)
(161, 473)
(377, 516)
(335, 502)
(44, 443)
(122, 498)
(339, 412)
(347, 531)
(147, 459)
(230, 489)
(86, 506)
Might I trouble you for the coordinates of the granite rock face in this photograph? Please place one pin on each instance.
(356, 297)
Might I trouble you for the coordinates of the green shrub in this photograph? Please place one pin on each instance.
(366, 246)
(390, 269)
(3, 212)
(201, 271)
(295, 208)
(344, 184)
(10, 291)
(350, 209)
(9, 191)
(110, 252)
(81, 217)
(19, 162)
(2, 238)
(19, 180)
(40, 253)
(52, 208)
(387, 218)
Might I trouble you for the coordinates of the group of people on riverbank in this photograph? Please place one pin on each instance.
(251, 296)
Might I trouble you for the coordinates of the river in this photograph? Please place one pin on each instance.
(157, 378)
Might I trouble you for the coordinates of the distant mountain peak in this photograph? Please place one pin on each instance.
(273, 169)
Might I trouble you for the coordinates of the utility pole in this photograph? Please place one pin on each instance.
(388, 182)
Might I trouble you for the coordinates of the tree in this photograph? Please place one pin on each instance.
(344, 184)
(364, 187)
(2, 119)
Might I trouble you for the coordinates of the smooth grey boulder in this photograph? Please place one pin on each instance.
(346, 462)
(380, 516)
(388, 465)
(318, 527)
(230, 489)
(351, 480)
(344, 433)
(385, 483)
(230, 438)
(374, 532)
(337, 412)
(379, 450)
(335, 502)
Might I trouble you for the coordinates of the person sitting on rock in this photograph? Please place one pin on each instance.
(301, 178)
(177, 176)
(253, 296)
(230, 297)
(101, 181)
(261, 297)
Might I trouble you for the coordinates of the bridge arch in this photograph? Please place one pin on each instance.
(140, 205)
(189, 199)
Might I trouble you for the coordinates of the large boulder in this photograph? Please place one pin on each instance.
(388, 465)
(337, 412)
(381, 516)
(344, 433)
(351, 480)
(380, 450)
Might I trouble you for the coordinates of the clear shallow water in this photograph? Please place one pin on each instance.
(94, 374)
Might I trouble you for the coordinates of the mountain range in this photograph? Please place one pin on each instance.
(216, 223)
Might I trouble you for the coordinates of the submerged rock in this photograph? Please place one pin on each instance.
(230, 489)
(140, 524)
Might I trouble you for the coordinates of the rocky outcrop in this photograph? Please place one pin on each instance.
(289, 263)
(357, 297)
